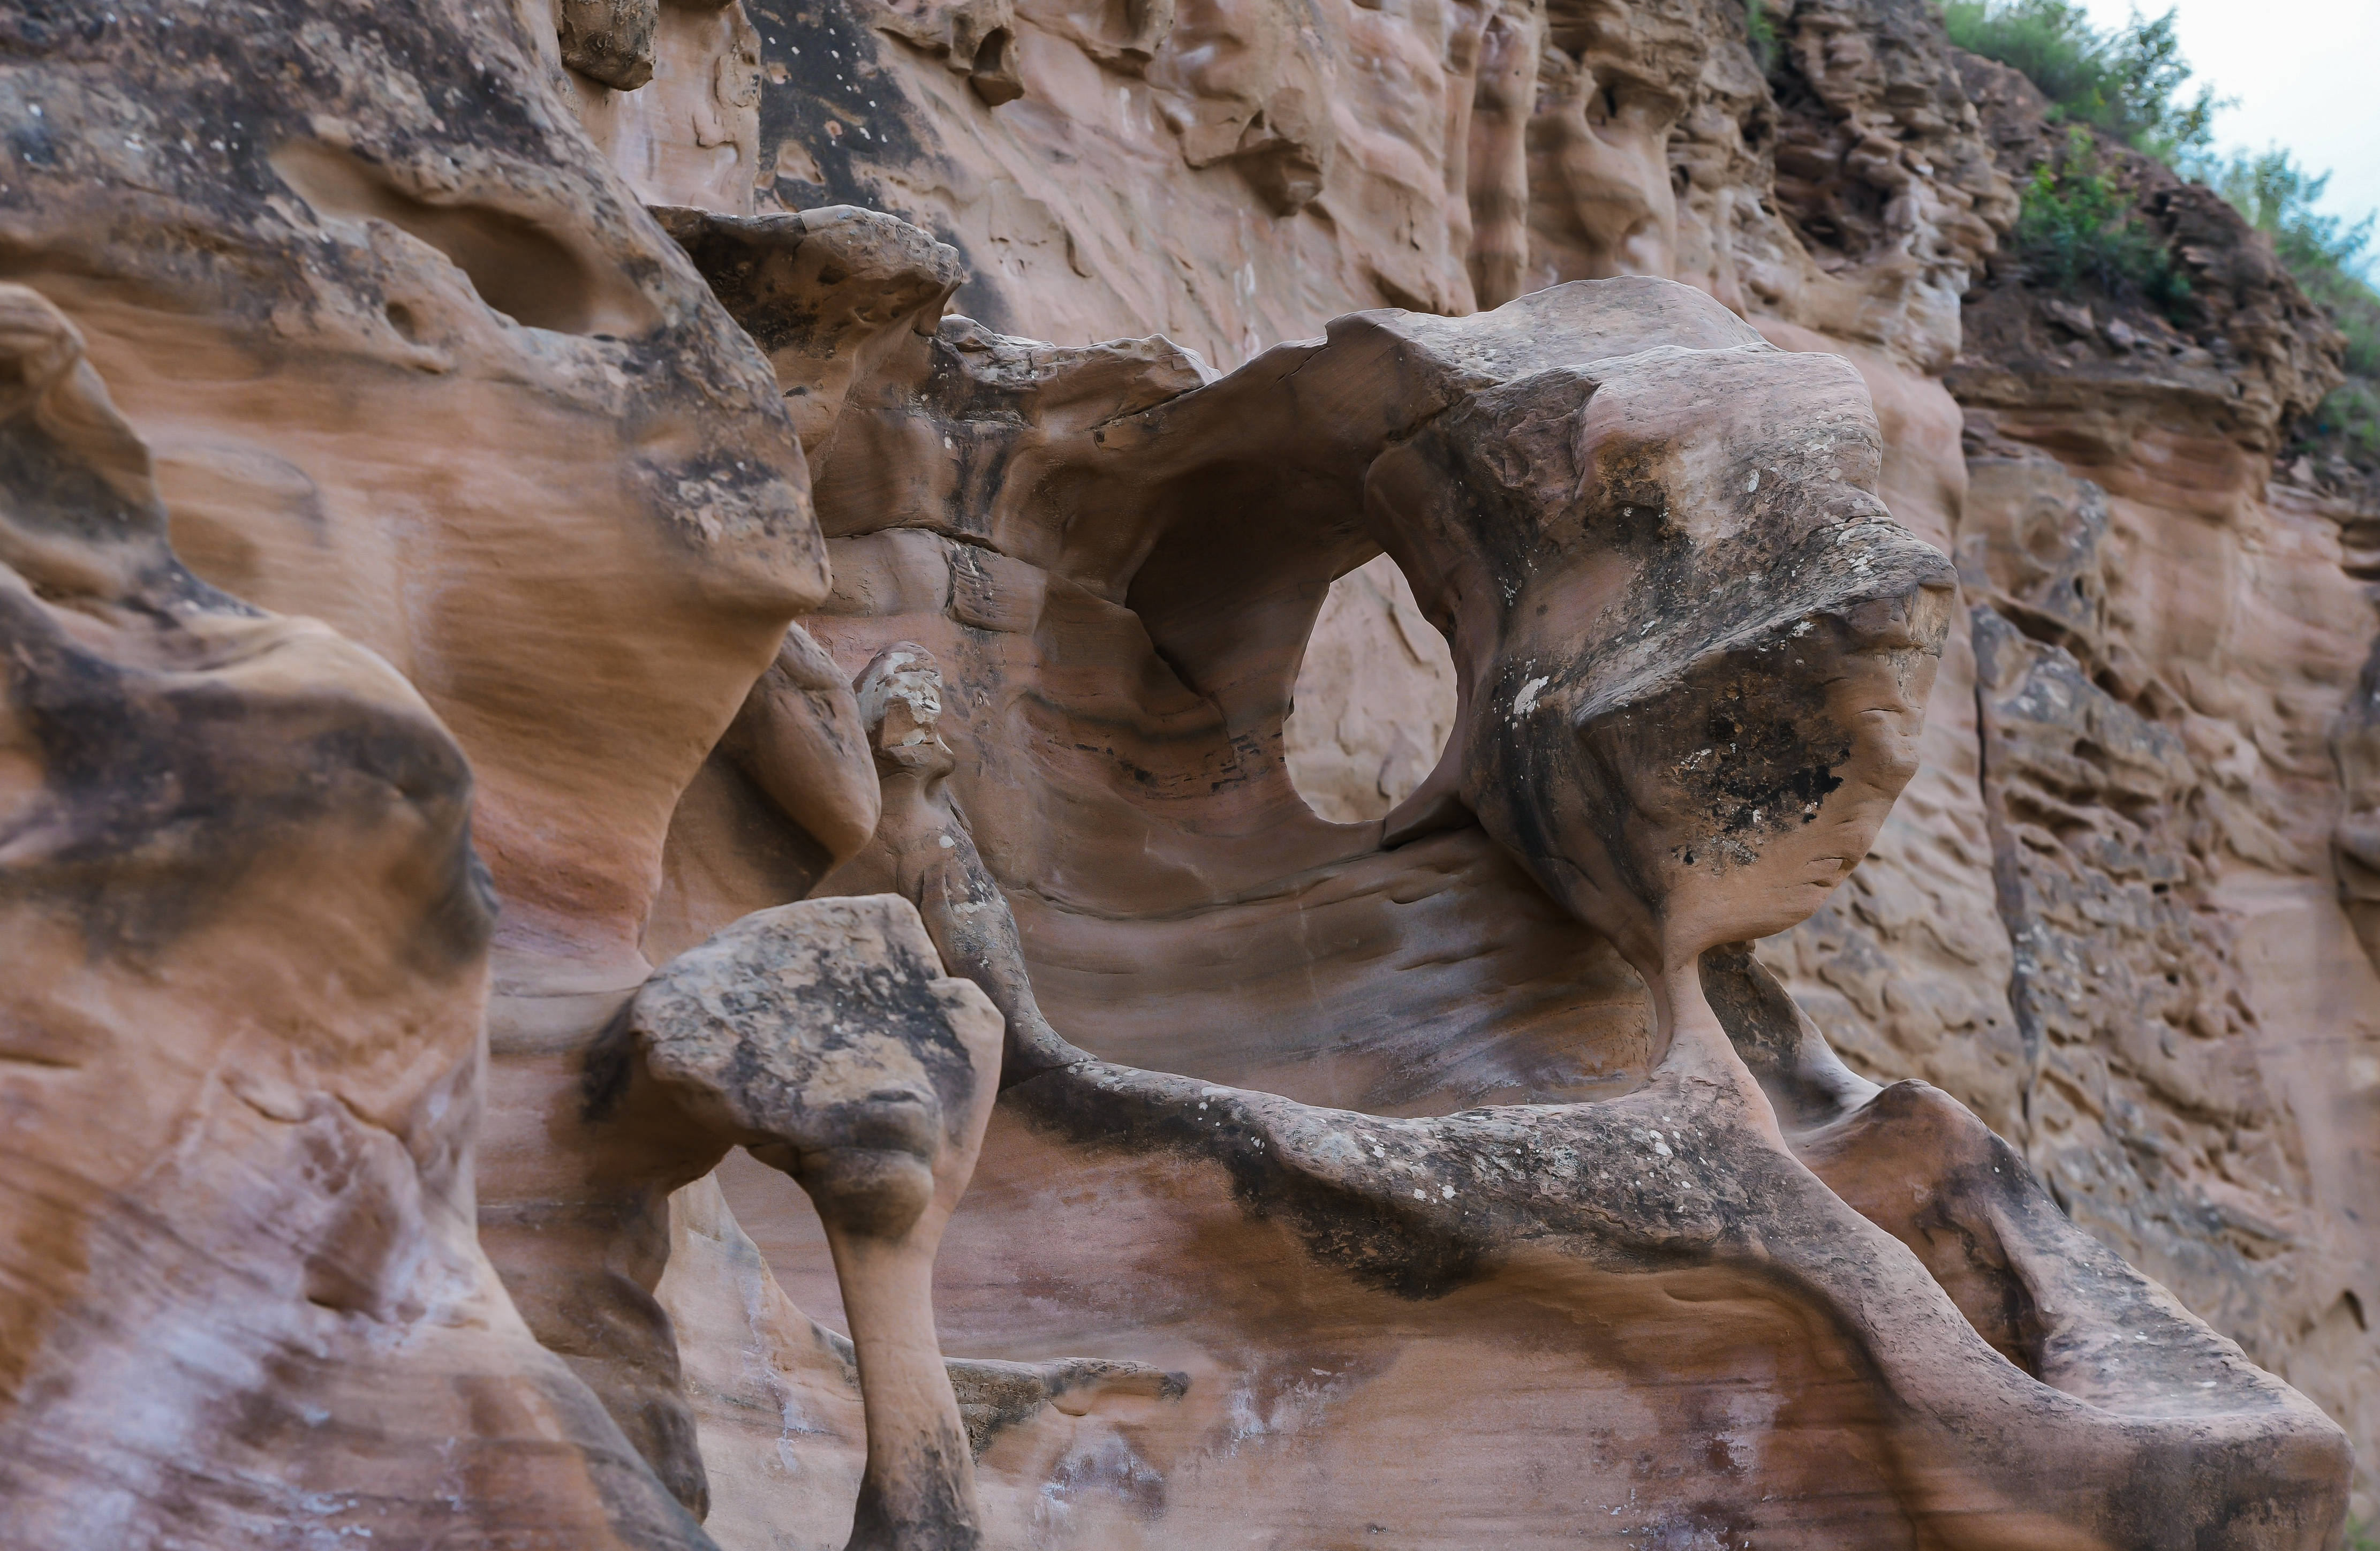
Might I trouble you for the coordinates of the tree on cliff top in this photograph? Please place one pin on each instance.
(2323, 255)
(2077, 223)
(2130, 82)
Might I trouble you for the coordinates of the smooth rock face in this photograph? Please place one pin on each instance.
(1672, 527)
(413, 361)
(244, 1018)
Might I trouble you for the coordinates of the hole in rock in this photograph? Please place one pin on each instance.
(516, 266)
(1499, 996)
(1375, 698)
(779, 1221)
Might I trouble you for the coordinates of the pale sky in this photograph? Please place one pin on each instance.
(2304, 72)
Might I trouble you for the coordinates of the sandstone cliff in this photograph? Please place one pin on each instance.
(2117, 912)
(497, 503)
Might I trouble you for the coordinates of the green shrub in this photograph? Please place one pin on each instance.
(2348, 419)
(1762, 33)
(2078, 227)
(2277, 196)
(2129, 82)
(2053, 45)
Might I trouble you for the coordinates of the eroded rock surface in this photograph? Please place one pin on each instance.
(1550, 505)
(413, 361)
(1845, 201)
(822, 1037)
(1401, 1139)
(245, 1013)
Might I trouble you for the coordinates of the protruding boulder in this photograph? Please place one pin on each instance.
(823, 1038)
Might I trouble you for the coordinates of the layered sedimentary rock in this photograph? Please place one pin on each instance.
(247, 946)
(1329, 788)
(412, 361)
(2160, 737)
(1844, 190)
(1640, 763)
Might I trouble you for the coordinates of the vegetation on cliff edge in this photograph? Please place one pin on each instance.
(2130, 82)
(2323, 255)
(2078, 223)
